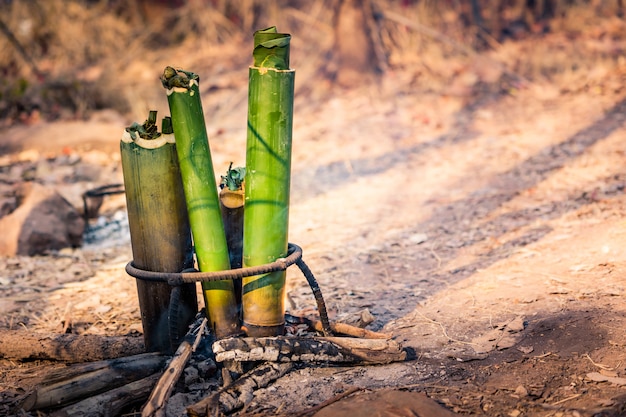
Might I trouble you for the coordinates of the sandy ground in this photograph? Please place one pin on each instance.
(485, 232)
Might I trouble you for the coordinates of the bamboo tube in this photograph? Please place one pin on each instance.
(268, 165)
(231, 205)
(194, 156)
(159, 229)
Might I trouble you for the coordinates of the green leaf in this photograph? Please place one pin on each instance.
(172, 78)
(148, 130)
(271, 49)
(234, 178)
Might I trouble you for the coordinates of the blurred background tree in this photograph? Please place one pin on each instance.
(66, 58)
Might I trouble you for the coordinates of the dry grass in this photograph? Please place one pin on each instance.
(108, 54)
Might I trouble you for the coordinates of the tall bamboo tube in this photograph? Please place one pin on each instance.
(200, 187)
(268, 166)
(159, 229)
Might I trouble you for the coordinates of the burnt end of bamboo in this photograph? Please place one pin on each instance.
(231, 205)
(232, 208)
(160, 233)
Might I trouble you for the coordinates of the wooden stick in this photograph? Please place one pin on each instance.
(338, 328)
(323, 349)
(241, 392)
(72, 348)
(163, 389)
(111, 403)
(349, 330)
(65, 385)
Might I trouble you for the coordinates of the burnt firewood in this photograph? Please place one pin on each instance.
(239, 393)
(63, 386)
(113, 402)
(155, 406)
(322, 349)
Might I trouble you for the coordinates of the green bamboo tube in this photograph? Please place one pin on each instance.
(268, 166)
(201, 195)
(159, 229)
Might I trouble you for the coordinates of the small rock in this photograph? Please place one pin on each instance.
(43, 221)
(521, 391)
(358, 319)
(207, 368)
(526, 349)
(418, 238)
(191, 375)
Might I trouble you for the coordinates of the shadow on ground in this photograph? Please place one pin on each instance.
(461, 224)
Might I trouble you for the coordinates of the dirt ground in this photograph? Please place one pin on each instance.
(482, 225)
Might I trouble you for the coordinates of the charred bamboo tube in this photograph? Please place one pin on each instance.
(231, 205)
(159, 229)
(267, 181)
(192, 145)
(66, 385)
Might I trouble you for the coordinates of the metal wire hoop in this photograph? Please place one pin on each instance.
(294, 256)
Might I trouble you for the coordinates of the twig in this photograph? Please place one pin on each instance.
(343, 328)
(66, 321)
(566, 399)
(163, 389)
(599, 365)
(443, 330)
(432, 251)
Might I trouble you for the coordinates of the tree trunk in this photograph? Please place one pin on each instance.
(356, 41)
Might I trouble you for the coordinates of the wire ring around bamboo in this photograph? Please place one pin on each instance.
(294, 256)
